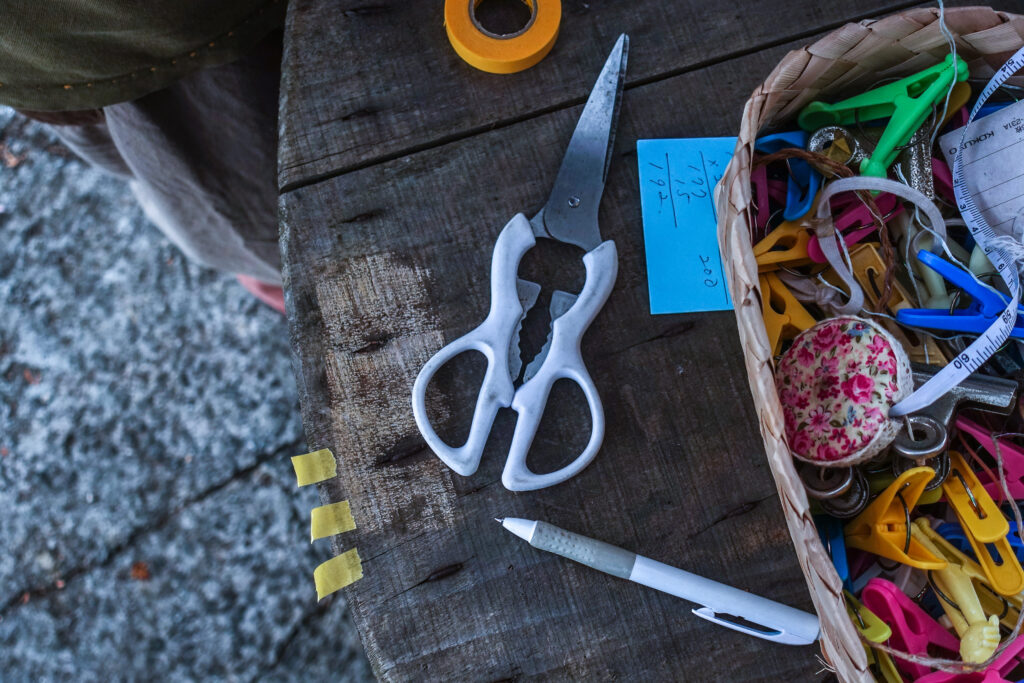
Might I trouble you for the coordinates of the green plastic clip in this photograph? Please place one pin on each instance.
(906, 103)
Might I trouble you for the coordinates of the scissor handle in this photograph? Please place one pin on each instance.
(563, 361)
(492, 338)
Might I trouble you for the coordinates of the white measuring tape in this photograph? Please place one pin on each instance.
(835, 249)
(982, 348)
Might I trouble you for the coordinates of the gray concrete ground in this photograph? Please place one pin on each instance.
(150, 527)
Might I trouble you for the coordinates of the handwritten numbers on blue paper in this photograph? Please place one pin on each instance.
(677, 181)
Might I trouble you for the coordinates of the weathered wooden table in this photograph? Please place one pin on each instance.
(399, 164)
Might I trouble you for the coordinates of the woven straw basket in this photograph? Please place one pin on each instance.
(848, 60)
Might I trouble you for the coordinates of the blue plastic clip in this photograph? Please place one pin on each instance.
(954, 533)
(830, 530)
(991, 108)
(986, 303)
(804, 181)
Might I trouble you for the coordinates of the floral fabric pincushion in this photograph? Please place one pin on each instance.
(836, 383)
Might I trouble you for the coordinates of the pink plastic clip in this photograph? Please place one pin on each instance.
(943, 180)
(765, 191)
(913, 630)
(1013, 461)
(959, 119)
(853, 212)
(1008, 660)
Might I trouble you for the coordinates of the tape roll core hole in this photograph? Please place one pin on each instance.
(503, 19)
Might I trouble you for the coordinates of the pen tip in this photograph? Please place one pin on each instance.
(499, 520)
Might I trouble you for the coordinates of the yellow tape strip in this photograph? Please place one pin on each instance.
(337, 573)
(328, 520)
(502, 54)
(315, 467)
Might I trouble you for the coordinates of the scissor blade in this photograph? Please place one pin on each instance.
(560, 303)
(570, 214)
(528, 293)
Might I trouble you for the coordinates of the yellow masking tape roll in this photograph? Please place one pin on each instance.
(337, 572)
(328, 520)
(315, 467)
(502, 54)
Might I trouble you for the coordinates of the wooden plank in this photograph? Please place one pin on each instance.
(383, 266)
(364, 82)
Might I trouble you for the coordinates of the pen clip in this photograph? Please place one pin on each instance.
(765, 632)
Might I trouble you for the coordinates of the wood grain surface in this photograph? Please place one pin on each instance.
(370, 80)
(388, 220)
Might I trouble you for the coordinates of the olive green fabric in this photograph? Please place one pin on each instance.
(61, 55)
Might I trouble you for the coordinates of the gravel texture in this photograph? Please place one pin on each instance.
(151, 525)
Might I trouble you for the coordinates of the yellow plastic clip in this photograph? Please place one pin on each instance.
(864, 620)
(786, 245)
(883, 528)
(869, 270)
(984, 526)
(876, 631)
(784, 316)
(883, 479)
(979, 634)
(957, 100)
(1007, 608)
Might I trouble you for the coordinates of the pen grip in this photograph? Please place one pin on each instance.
(599, 555)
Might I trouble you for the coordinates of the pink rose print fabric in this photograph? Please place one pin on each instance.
(836, 383)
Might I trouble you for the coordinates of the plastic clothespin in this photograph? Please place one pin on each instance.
(1006, 608)
(909, 580)
(958, 98)
(869, 270)
(913, 630)
(866, 621)
(955, 534)
(804, 182)
(883, 528)
(830, 531)
(943, 180)
(784, 316)
(935, 295)
(766, 192)
(977, 260)
(986, 303)
(979, 633)
(985, 526)
(1013, 462)
(998, 671)
(876, 631)
(855, 221)
(786, 245)
(907, 103)
(880, 480)
(977, 511)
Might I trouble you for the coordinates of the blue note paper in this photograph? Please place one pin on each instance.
(677, 181)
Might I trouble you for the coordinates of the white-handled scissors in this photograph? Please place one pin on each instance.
(570, 216)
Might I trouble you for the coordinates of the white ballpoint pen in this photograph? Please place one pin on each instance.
(779, 623)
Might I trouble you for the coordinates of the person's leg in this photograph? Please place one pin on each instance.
(91, 141)
(271, 295)
(202, 154)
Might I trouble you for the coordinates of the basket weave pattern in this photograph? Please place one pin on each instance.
(848, 60)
